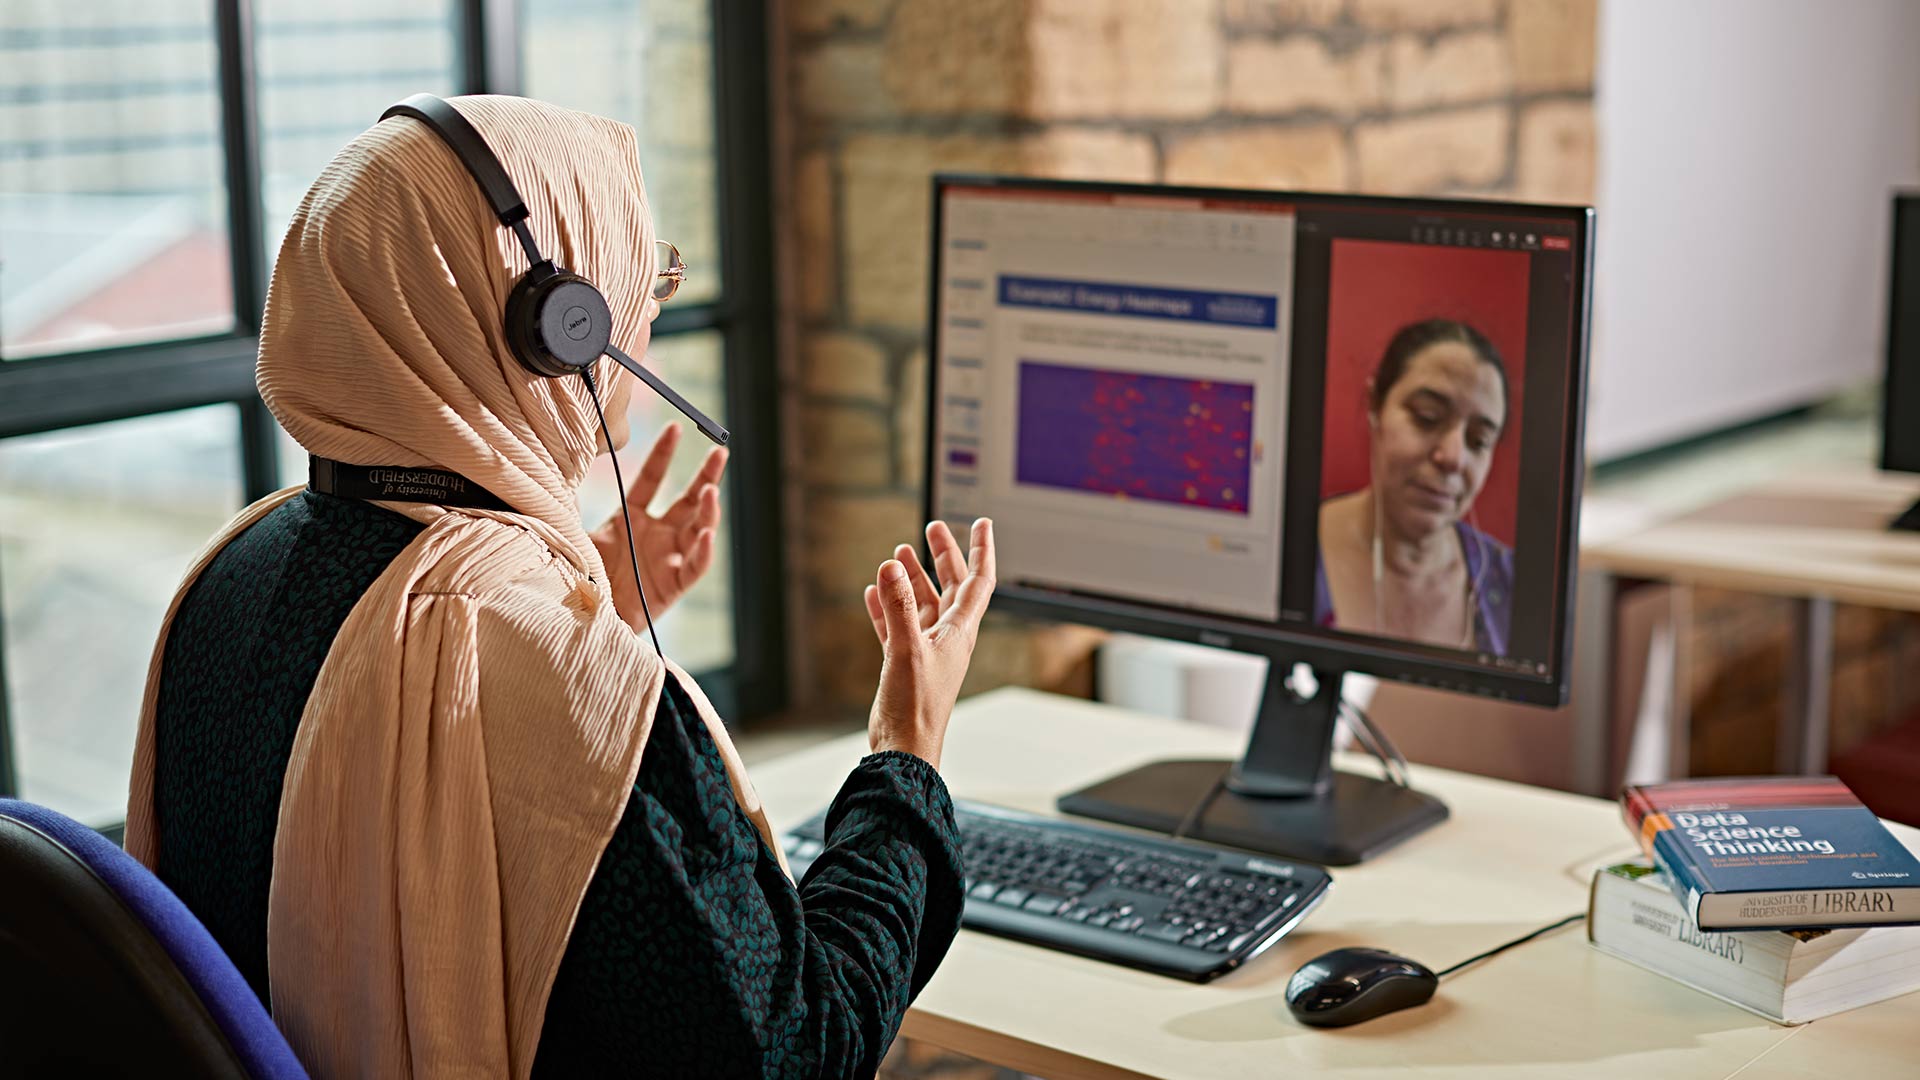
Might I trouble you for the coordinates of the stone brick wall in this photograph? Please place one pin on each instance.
(1472, 97)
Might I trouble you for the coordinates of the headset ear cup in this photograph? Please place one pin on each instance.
(557, 324)
(523, 309)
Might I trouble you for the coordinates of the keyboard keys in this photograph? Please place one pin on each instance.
(1045, 905)
(1134, 896)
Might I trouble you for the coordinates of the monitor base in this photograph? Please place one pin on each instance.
(1350, 820)
(1909, 521)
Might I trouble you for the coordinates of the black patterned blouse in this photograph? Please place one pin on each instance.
(692, 954)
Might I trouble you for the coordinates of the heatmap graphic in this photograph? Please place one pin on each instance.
(1134, 436)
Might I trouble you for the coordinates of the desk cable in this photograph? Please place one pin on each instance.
(1496, 950)
(1365, 732)
(1200, 805)
(1369, 735)
(1390, 758)
(1394, 764)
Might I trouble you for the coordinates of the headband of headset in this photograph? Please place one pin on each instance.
(472, 150)
(549, 311)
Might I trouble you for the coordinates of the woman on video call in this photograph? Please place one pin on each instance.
(1401, 557)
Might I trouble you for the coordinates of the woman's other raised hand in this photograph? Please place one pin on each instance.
(927, 631)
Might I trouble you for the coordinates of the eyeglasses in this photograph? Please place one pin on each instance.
(672, 272)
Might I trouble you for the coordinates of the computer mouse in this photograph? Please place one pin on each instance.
(1347, 986)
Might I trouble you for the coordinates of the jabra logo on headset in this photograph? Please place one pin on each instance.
(577, 322)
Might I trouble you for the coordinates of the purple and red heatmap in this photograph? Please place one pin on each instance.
(1182, 441)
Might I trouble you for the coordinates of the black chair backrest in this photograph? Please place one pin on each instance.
(85, 988)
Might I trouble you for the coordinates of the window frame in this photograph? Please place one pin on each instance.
(91, 386)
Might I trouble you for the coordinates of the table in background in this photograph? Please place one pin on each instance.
(1511, 859)
(1814, 538)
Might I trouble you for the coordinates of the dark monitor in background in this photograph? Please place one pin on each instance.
(1900, 422)
(1340, 432)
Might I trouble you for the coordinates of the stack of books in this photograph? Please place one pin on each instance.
(1783, 895)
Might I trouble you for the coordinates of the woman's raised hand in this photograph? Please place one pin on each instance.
(674, 547)
(926, 633)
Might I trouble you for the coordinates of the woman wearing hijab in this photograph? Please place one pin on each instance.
(418, 767)
(1401, 557)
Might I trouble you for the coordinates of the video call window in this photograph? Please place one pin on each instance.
(1437, 350)
(1418, 478)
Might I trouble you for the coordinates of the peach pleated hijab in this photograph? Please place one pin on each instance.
(475, 730)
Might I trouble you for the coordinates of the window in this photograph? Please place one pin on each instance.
(649, 65)
(96, 525)
(151, 156)
(326, 71)
(113, 217)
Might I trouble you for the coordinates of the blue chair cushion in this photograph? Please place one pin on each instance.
(80, 917)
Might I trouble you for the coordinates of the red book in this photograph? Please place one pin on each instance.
(1641, 802)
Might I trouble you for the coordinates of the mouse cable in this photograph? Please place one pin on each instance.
(1498, 949)
(625, 518)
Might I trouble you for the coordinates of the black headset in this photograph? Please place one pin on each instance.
(558, 323)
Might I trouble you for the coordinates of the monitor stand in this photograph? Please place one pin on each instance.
(1283, 797)
(1909, 521)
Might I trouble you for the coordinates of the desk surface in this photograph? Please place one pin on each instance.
(1511, 859)
(1819, 533)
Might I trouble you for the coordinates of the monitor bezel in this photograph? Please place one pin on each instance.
(1311, 646)
(1899, 393)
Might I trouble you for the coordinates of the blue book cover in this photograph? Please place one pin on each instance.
(1790, 851)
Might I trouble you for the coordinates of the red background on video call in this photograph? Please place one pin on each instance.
(1378, 287)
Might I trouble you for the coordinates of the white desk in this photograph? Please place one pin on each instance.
(1511, 859)
(1815, 538)
(1819, 533)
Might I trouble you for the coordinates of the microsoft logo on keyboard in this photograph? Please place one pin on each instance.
(1270, 868)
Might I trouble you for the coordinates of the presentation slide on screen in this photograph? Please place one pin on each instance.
(1113, 381)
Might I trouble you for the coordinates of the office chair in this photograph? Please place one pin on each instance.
(103, 971)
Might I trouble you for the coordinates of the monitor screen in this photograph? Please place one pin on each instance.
(1340, 429)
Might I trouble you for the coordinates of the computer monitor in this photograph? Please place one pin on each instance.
(1340, 432)
(1900, 427)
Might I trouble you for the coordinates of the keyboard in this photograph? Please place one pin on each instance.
(1188, 910)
